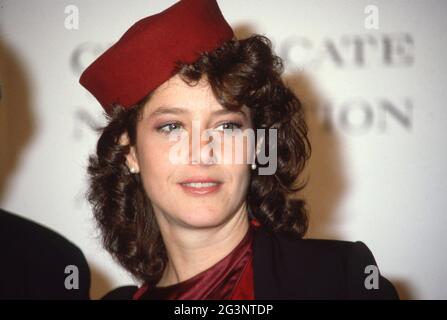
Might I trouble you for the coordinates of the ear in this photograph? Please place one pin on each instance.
(131, 157)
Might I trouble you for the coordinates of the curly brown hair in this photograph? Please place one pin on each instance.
(240, 72)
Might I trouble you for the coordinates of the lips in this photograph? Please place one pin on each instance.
(200, 179)
(200, 186)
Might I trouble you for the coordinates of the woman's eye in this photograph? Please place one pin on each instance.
(169, 127)
(230, 126)
(175, 126)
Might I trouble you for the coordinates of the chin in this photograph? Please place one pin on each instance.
(202, 218)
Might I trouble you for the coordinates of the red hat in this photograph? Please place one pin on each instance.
(145, 55)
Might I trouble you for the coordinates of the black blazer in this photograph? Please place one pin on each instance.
(33, 260)
(286, 267)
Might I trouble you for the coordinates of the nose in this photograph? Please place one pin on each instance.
(202, 150)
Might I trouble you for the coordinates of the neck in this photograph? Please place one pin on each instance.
(193, 250)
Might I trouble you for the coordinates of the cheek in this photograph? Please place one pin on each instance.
(240, 177)
(152, 149)
(155, 167)
(237, 150)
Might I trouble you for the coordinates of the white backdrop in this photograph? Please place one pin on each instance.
(374, 100)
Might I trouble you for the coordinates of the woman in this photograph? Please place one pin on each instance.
(208, 228)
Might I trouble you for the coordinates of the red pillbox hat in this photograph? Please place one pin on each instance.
(145, 55)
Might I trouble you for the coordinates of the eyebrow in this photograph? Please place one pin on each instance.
(175, 110)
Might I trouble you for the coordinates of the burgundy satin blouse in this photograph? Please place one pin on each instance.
(229, 279)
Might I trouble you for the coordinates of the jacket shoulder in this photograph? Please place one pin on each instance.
(317, 268)
(121, 293)
(34, 259)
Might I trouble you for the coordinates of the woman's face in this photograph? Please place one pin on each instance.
(176, 106)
